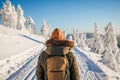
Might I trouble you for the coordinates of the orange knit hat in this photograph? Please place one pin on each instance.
(57, 34)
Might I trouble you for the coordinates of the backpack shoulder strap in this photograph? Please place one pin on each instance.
(70, 58)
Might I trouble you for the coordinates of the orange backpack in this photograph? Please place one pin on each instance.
(56, 67)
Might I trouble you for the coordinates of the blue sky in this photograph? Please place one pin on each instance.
(70, 14)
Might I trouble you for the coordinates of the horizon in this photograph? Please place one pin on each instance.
(72, 14)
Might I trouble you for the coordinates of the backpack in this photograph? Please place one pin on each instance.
(56, 67)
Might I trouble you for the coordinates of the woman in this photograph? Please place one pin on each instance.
(57, 62)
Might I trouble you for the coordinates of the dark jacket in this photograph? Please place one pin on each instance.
(58, 48)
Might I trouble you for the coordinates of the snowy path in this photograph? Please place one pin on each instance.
(88, 70)
(27, 71)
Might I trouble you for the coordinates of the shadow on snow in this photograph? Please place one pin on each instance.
(32, 39)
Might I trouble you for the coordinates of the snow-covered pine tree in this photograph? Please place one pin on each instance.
(30, 25)
(45, 30)
(13, 18)
(9, 15)
(109, 58)
(5, 11)
(3, 15)
(21, 22)
(96, 44)
(70, 37)
(110, 38)
(82, 43)
(76, 34)
(8, 6)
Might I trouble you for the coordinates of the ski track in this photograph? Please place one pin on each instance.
(88, 70)
(27, 71)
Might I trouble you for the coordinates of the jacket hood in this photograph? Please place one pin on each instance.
(58, 47)
(57, 50)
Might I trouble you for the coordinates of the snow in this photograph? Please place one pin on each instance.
(97, 44)
(20, 19)
(16, 47)
(95, 58)
(20, 63)
(111, 55)
(30, 25)
(27, 69)
(14, 41)
(88, 69)
(45, 30)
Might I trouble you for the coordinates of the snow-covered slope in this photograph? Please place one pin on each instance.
(16, 48)
(15, 41)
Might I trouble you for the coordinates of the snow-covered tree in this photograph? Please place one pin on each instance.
(76, 34)
(13, 18)
(20, 19)
(70, 37)
(30, 25)
(82, 42)
(96, 44)
(9, 15)
(5, 13)
(109, 59)
(2, 13)
(110, 38)
(45, 30)
(8, 6)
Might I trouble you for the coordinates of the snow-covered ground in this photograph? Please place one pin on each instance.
(16, 48)
(19, 53)
(13, 42)
(94, 66)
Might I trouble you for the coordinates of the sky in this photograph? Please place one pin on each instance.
(72, 14)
